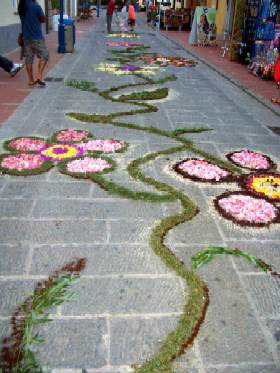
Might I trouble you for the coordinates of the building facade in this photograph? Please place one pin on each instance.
(10, 24)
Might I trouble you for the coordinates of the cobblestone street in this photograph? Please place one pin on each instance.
(128, 300)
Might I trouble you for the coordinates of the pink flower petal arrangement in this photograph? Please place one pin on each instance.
(25, 144)
(126, 44)
(251, 160)
(167, 60)
(88, 165)
(71, 135)
(245, 209)
(21, 161)
(103, 145)
(57, 150)
(255, 207)
(202, 170)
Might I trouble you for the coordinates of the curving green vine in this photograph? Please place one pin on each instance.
(197, 300)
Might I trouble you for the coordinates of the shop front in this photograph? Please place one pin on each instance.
(256, 35)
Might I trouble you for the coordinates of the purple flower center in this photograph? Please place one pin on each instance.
(129, 68)
(60, 150)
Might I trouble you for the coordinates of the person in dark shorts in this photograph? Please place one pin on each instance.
(31, 16)
(9, 66)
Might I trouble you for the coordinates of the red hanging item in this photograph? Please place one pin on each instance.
(277, 71)
(277, 78)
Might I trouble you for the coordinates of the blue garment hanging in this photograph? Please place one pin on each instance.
(265, 27)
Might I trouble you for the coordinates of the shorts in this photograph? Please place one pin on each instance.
(35, 48)
(131, 22)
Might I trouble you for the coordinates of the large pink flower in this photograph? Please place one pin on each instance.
(246, 209)
(251, 160)
(22, 162)
(201, 170)
(88, 165)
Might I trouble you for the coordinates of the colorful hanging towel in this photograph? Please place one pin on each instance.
(277, 71)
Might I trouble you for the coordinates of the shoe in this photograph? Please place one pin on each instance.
(15, 69)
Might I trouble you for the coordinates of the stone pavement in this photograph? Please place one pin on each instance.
(127, 299)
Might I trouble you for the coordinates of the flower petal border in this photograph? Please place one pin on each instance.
(229, 178)
(6, 144)
(47, 165)
(53, 138)
(62, 167)
(228, 216)
(273, 165)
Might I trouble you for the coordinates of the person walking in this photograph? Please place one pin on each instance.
(110, 10)
(98, 7)
(9, 66)
(131, 15)
(31, 16)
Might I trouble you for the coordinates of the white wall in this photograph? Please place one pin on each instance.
(7, 10)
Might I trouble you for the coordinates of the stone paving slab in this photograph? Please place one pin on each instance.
(103, 260)
(67, 340)
(14, 259)
(52, 231)
(126, 296)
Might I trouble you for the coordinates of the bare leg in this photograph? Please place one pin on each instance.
(41, 66)
(29, 69)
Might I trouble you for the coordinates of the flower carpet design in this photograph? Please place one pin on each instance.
(128, 35)
(79, 149)
(252, 207)
(126, 69)
(77, 153)
(126, 44)
(163, 61)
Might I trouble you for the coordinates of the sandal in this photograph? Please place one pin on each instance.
(41, 82)
(275, 100)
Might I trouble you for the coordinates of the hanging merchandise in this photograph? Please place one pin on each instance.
(246, 47)
(277, 72)
(266, 22)
(277, 79)
(262, 43)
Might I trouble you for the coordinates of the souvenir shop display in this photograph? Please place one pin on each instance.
(203, 30)
(260, 38)
(259, 30)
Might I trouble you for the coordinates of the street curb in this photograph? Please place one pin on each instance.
(237, 83)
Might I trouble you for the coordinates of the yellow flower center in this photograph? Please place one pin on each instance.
(60, 151)
(267, 185)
